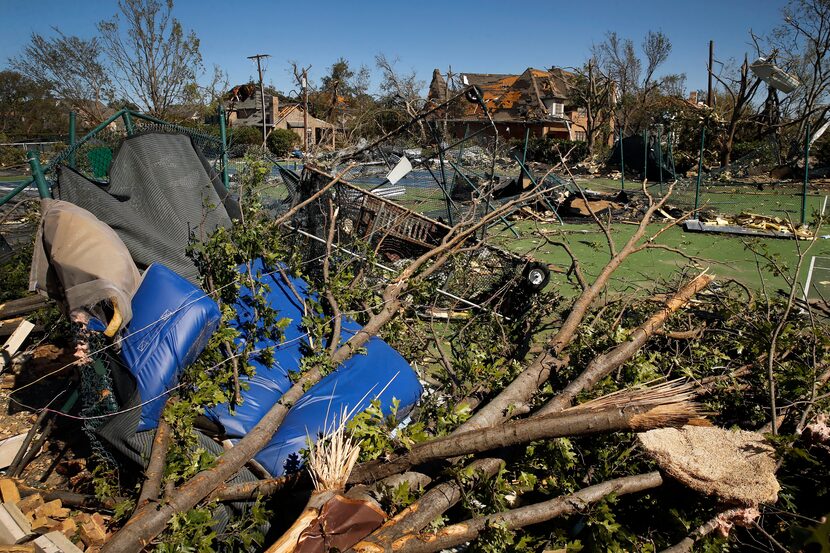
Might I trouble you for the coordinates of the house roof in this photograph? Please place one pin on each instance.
(286, 111)
(518, 97)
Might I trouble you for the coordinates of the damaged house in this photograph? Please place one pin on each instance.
(536, 100)
(244, 107)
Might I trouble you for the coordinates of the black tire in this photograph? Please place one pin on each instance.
(535, 276)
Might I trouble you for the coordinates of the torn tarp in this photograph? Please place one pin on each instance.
(81, 263)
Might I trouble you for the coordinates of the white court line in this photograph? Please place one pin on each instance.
(809, 278)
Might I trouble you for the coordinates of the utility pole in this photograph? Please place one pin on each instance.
(709, 98)
(305, 109)
(258, 58)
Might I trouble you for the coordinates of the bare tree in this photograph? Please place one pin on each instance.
(402, 89)
(593, 91)
(634, 77)
(71, 68)
(153, 61)
(741, 90)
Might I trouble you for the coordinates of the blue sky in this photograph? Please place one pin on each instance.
(479, 36)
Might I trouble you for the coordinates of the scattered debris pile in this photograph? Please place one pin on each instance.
(750, 224)
(29, 523)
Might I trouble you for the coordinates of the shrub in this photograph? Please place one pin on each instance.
(281, 141)
(251, 136)
(11, 156)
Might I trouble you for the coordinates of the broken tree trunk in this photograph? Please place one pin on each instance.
(608, 362)
(457, 534)
(524, 387)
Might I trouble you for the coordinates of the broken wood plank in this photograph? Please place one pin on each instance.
(22, 306)
(8, 326)
(55, 542)
(91, 529)
(13, 530)
(52, 509)
(29, 504)
(19, 548)
(13, 344)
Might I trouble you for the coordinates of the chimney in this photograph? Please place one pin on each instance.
(693, 97)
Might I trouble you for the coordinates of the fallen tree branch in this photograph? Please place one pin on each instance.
(457, 534)
(248, 491)
(686, 544)
(72, 499)
(151, 489)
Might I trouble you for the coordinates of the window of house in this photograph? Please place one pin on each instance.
(557, 109)
(579, 135)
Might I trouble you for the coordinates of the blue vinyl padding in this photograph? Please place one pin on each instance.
(171, 325)
(379, 373)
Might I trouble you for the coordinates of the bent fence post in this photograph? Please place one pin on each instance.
(37, 175)
(128, 122)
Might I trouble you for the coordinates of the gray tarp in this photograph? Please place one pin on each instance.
(161, 189)
(80, 261)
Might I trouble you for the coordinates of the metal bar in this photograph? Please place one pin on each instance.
(128, 123)
(438, 182)
(671, 153)
(443, 184)
(37, 175)
(223, 135)
(700, 167)
(17, 190)
(72, 140)
(535, 184)
(806, 174)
